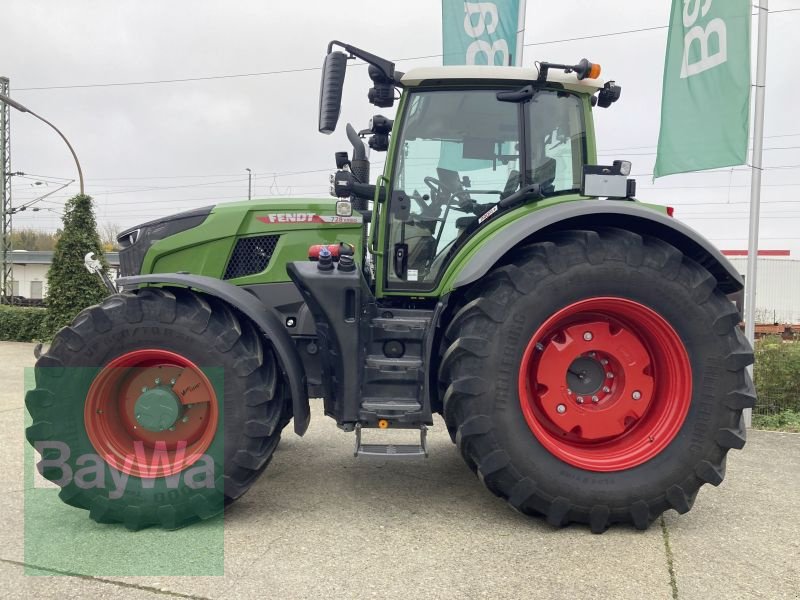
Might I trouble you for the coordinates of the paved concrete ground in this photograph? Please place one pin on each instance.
(321, 524)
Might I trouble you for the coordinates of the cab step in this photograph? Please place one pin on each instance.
(393, 450)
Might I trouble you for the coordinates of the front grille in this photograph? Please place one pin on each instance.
(251, 255)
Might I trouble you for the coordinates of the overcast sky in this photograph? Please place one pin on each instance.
(151, 150)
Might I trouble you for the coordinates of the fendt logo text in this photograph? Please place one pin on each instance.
(290, 218)
(307, 218)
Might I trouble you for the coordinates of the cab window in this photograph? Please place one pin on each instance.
(459, 154)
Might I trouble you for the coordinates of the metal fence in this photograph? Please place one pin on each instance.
(777, 375)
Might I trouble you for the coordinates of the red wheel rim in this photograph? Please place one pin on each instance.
(605, 384)
(116, 431)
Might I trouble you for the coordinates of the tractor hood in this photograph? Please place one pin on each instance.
(239, 241)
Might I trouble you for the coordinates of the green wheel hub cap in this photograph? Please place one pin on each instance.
(157, 409)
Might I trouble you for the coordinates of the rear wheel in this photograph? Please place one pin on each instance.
(156, 408)
(618, 379)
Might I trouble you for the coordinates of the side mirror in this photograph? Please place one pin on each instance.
(330, 92)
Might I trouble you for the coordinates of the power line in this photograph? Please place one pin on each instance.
(606, 153)
(655, 146)
(310, 69)
(260, 173)
(722, 186)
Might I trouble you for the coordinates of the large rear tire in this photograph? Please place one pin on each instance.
(171, 390)
(617, 379)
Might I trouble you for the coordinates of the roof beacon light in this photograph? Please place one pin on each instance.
(586, 70)
(583, 70)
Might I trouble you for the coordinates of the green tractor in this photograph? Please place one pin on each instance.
(582, 347)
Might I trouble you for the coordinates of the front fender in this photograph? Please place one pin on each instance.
(623, 214)
(264, 317)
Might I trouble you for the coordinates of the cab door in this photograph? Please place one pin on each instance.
(458, 154)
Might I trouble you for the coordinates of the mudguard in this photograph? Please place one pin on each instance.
(264, 317)
(623, 214)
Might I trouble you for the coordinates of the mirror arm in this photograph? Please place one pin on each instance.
(386, 66)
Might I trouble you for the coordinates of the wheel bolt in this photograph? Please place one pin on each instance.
(172, 428)
(185, 419)
(172, 382)
(158, 381)
(606, 389)
(592, 354)
(637, 395)
(587, 335)
(569, 391)
(595, 399)
(579, 399)
(610, 375)
(539, 346)
(561, 409)
(144, 389)
(604, 362)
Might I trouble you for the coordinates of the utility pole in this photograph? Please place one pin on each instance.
(249, 184)
(755, 186)
(7, 283)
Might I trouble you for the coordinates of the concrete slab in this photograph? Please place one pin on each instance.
(12, 434)
(320, 523)
(14, 358)
(742, 540)
(16, 584)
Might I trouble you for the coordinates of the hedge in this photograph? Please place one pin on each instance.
(22, 324)
(777, 375)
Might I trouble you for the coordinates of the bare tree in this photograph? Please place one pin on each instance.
(33, 239)
(108, 236)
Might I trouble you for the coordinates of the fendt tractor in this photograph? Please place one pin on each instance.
(582, 346)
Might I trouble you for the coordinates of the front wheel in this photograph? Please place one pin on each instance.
(618, 379)
(156, 408)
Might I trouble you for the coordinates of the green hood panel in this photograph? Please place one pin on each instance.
(299, 223)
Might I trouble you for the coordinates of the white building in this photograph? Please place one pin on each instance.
(777, 288)
(30, 271)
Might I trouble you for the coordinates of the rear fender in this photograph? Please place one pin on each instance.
(264, 317)
(588, 214)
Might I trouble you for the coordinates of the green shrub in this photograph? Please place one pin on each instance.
(21, 324)
(786, 420)
(776, 373)
(71, 288)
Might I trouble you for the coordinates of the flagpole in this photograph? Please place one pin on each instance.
(755, 186)
(520, 33)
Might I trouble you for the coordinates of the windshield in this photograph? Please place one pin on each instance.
(459, 154)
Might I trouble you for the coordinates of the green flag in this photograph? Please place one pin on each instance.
(705, 106)
(482, 33)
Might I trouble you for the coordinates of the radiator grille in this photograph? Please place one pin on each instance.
(251, 255)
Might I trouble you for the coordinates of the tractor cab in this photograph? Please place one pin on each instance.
(468, 145)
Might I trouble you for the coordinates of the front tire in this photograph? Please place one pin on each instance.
(618, 379)
(168, 389)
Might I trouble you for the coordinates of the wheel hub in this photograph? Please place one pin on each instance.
(157, 409)
(586, 376)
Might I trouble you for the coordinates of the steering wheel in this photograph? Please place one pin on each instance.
(434, 184)
(440, 190)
